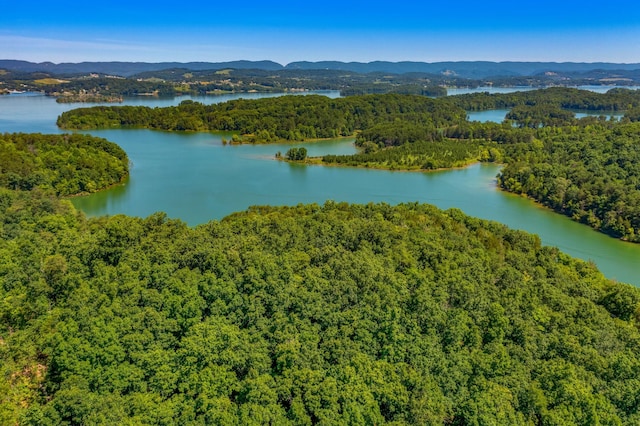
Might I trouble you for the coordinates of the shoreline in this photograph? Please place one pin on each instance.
(84, 193)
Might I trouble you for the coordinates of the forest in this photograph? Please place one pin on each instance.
(308, 117)
(589, 173)
(314, 314)
(293, 118)
(65, 164)
(421, 155)
(617, 99)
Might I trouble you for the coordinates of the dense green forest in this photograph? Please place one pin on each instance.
(301, 118)
(421, 155)
(617, 99)
(293, 118)
(334, 314)
(590, 173)
(66, 164)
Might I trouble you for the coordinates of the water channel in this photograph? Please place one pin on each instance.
(196, 178)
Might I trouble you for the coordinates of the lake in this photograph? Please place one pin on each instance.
(194, 177)
(452, 91)
(498, 115)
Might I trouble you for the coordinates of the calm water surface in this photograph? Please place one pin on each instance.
(498, 115)
(494, 115)
(194, 177)
(451, 91)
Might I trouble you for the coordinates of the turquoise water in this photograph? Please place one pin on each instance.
(498, 115)
(194, 177)
(494, 115)
(451, 91)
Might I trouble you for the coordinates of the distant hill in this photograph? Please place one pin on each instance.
(466, 69)
(126, 69)
(462, 69)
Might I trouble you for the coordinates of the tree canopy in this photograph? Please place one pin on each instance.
(66, 164)
(293, 118)
(333, 314)
(590, 173)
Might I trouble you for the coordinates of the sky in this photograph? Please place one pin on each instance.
(288, 31)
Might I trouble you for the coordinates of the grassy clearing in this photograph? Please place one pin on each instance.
(46, 81)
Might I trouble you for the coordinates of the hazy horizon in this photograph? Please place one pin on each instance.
(319, 61)
(289, 32)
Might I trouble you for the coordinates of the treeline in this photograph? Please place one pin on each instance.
(405, 145)
(66, 164)
(334, 314)
(589, 173)
(540, 115)
(404, 89)
(617, 99)
(266, 120)
(110, 87)
(420, 155)
(295, 118)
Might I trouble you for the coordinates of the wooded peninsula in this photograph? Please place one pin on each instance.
(333, 314)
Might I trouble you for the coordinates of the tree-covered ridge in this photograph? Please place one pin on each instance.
(420, 155)
(540, 115)
(413, 145)
(265, 120)
(589, 173)
(68, 164)
(406, 89)
(301, 118)
(562, 97)
(334, 314)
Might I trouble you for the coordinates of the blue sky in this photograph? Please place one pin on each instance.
(287, 31)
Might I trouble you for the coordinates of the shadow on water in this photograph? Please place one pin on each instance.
(117, 196)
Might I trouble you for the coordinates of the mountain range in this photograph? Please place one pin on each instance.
(463, 69)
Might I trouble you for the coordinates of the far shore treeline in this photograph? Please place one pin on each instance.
(587, 169)
(112, 81)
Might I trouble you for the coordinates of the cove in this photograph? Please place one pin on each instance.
(195, 178)
(498, 115)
